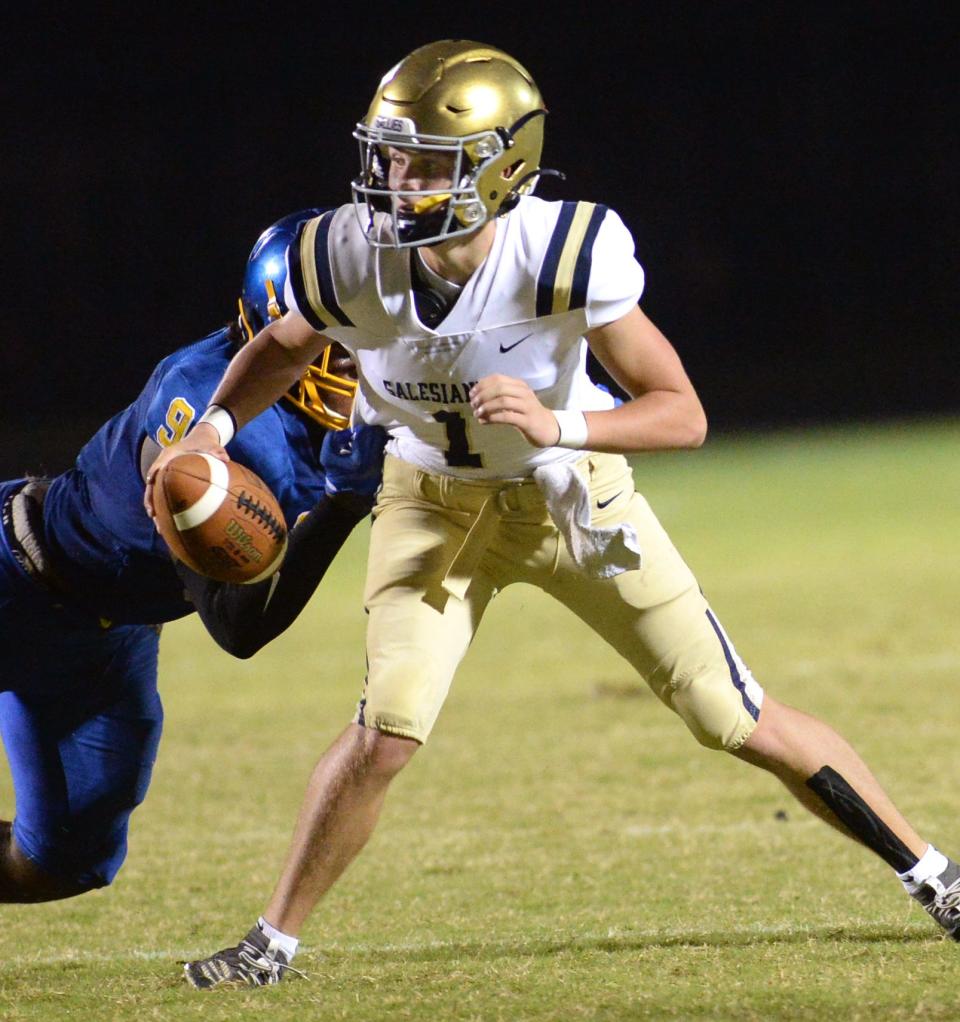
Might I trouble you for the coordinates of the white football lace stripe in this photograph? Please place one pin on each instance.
(208, 504)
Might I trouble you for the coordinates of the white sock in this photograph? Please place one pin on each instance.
(288, 944)
(931, 864)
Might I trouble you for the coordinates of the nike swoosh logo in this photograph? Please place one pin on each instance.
(510, 347)
(605, 503)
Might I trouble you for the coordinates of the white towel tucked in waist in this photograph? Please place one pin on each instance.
(599, 552)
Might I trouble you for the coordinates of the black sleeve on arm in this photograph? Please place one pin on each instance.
(243, 618)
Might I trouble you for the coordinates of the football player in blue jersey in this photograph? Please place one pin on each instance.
(85, 582)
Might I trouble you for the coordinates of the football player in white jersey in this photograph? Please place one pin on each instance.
(468, 305)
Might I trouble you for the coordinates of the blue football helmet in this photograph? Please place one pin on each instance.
(327, 388)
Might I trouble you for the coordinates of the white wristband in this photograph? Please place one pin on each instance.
(222, 421)
(573, 429)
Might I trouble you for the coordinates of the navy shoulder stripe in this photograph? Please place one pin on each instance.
(328, 295)
(548, 271)
(297, 282)
(565, 274)
(581, 272)
(312, 280)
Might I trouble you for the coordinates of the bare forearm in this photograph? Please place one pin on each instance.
(659, 420)
(257, 376)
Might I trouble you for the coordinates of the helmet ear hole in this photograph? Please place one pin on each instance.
(508, 172)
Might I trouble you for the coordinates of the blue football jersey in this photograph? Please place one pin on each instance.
(106, 548)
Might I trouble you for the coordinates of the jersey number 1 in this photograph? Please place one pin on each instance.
(458, 450)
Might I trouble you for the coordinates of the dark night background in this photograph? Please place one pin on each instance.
(789, 173)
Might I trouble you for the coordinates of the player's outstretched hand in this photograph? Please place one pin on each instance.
(202, 438)
(352, 461)
(512, 402)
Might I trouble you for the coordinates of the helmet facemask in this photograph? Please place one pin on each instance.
(427, 217)
(325, 392)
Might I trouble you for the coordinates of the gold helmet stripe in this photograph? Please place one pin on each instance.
(244, 322)
(273, 306)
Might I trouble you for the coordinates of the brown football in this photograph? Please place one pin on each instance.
(219, 518)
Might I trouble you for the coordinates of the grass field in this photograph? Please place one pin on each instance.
(562, 849)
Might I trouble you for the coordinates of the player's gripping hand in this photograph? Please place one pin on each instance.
(202, 438)
(352, 461)
(510, 401)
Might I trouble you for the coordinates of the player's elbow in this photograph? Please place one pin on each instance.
(244, 651)
(243, 647)
(698, 430)
(693, 430)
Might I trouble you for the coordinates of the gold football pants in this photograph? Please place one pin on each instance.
(435, 535)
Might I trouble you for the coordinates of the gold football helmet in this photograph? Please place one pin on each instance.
(326, 390)
(462, 98)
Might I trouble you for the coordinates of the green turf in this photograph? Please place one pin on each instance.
(562, 849)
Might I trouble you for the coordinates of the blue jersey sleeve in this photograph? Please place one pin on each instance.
(179, 400)
(94, 516)
(109, 546)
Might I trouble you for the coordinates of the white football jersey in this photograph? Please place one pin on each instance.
(556, 269)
